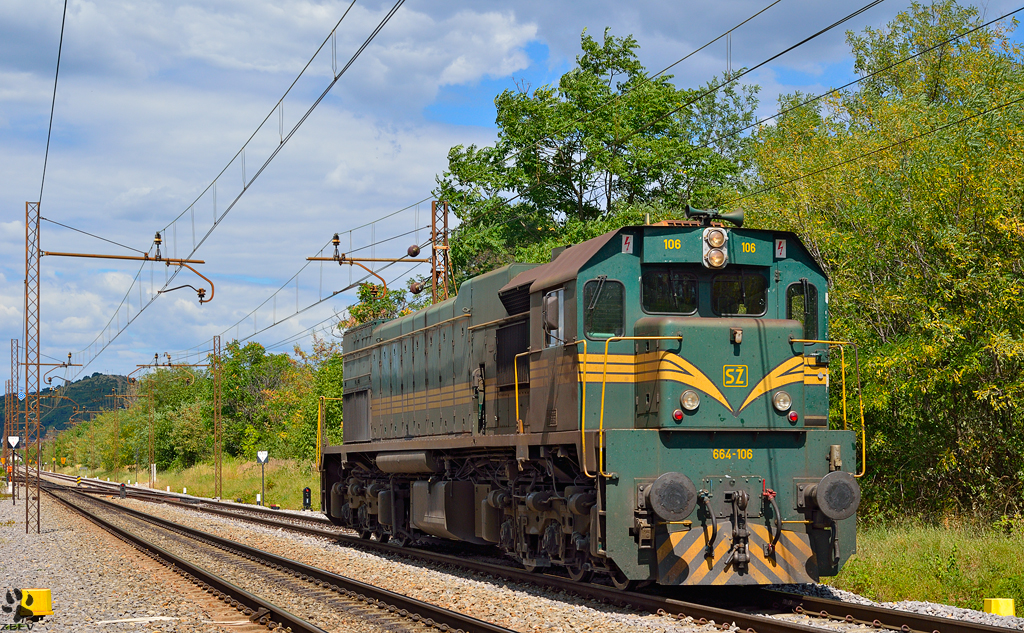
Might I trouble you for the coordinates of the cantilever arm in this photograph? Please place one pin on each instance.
(199, 291)
(351, 262)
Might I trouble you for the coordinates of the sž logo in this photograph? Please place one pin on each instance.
(12, 599)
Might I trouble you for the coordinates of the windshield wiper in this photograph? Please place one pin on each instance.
(597, 295)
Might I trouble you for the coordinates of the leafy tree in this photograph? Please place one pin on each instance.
(250, 378)
(375, 304)
(923, 241)
(608, 136)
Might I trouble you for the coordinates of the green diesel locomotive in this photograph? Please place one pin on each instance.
(650, 406)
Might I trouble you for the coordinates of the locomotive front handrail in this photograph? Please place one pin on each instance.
(604, 383)
(515, 376)
(583, 417)
(860, 396)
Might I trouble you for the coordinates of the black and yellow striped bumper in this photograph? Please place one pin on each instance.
(681, 558)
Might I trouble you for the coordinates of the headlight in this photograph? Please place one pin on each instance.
(782, 401)
(716, 258)
(690, 400)
(716, 238)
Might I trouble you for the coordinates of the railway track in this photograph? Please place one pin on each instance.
(824, 610)
(316, 595)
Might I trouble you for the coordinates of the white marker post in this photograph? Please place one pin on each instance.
(261, 457)
(12, 441)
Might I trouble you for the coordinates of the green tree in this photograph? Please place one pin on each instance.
(607, 137)
(923, 240)
(250, 378)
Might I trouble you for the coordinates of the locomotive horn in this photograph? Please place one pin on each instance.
(735, 217)
(705, 217)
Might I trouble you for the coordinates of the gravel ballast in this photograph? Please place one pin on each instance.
(911, 606)
(96, 581)
(513, 605)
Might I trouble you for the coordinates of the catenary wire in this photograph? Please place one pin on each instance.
(288, 282)
(220, 218)
(585, 117)
(864, 155)
(308, 330)
(267, 118)
(284, 141)
(870, 75)
(316, 303)
(53, 103)
(71, 228)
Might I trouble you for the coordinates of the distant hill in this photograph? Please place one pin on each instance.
(90, 393)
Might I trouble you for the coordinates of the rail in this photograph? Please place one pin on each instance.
(604, 384)
(203, 577)
(446, 619)
(860, 396)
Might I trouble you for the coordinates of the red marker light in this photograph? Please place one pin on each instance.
(677, 415)
(793, 417)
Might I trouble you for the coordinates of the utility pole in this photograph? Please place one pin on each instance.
(33, 253)
(217, 473)
(32, 318)
(439, 260)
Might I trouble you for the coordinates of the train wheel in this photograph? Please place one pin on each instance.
(622, 583)
(382, 537)
(365, 534)
(531, 567)
(400, 541)
(578, 573)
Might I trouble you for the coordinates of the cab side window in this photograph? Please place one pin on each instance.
(802, 306)
(604, 308)
(553, 318)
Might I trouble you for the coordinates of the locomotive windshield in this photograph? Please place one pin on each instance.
(742, 293)
(604, 304)
(668, 290)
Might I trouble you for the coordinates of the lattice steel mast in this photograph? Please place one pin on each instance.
(32, 251)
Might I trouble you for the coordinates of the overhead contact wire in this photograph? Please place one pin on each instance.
(53, 102)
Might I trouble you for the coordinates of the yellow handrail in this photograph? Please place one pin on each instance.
(515, 376)
(583, 416)
(604, 383)
(860, 396)
(319, 431)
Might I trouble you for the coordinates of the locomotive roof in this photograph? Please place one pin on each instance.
(569, 262)
(564, 267)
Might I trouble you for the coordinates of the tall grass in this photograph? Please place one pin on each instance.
(956, 562)
(240, 479)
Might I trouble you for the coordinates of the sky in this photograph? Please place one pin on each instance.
(156, 98)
